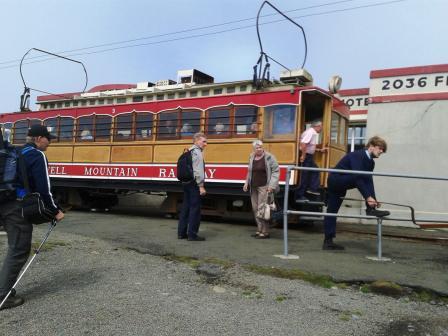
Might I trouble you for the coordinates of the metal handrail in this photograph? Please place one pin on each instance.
(379, 220)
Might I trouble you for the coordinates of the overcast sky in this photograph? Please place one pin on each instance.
(347, 38)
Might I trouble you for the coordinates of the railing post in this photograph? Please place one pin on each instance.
(285, 213)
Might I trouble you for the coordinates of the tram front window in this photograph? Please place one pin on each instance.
(280, 121)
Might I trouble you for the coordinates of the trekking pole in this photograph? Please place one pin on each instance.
(36, 252)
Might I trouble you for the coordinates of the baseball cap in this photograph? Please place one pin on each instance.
(40, 130)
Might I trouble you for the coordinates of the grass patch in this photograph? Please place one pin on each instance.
(193, 262)
(281, 298)
(252, 294)
(216, 261)
(293, 274)
(48, 246)
(365, 289)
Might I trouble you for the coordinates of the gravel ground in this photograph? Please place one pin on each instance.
(85, 286)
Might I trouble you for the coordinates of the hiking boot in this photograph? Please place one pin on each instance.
(330, 245)
(376, 212)
(12, 301)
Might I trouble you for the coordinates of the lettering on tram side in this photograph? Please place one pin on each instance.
(111, 171)
(410, 82)
(170, 173)
(56, 170)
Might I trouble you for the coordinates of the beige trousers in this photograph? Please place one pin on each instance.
(259, 197)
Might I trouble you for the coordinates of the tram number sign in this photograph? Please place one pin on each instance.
(415, 82)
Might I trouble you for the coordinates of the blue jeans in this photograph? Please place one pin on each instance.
(190, 216)
(309, 180)
(19, 244)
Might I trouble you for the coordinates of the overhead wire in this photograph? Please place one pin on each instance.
(207, 34)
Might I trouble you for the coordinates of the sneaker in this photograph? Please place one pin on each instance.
(376, 212)
(12, 301)
(197, 238)
(182, 237)
(330, 245)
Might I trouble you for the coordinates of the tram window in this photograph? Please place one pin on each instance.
(245, 120)
(167, 128)
(83, 102)
(243, 88)
(20, 131)
(51, 105)
(193, 93)
(100, 101)
(121, 100)
(75, 103)
(85, 129)
(137, 99)
(110, 100)
(149, 98)
(231, 89)
(342, 126)
(217, 91)
(52, 126)
(280, 121)
(160, 97)
(143, 125)
(170, 96)
(182, 94)
(66, 129)
(35, 122)
(191, 123)
(6, 129)
(67, 104)
(205, 93)
(218, 122)
(123, 127)
(92, 102)
(102, 127)
(334, 130)
(59, 105)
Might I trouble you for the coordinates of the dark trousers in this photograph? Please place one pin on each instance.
(19, 244)
(190, 216)
(309, 180)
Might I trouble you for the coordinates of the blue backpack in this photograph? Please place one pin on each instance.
(9, 157)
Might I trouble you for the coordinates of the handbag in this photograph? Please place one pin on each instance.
(266, 210)
(33, 207)
(34, 210)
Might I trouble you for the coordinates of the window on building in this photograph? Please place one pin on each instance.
(143, 125)
(357, 137)
(280, 121)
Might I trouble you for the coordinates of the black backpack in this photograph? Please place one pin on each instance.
(9, 156)
(185, 167)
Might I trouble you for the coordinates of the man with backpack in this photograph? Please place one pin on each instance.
(190, 215)
(20, 231)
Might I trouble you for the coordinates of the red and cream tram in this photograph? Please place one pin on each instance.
(119, 139)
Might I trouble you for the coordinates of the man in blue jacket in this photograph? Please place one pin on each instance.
(339, 183)
(19, 231)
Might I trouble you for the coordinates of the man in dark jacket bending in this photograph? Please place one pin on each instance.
(339, 183)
